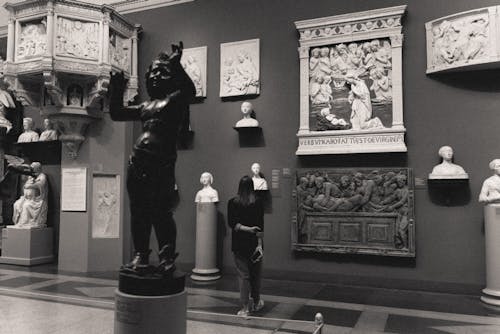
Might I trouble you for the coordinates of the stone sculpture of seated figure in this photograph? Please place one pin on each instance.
(30, 210)
(447, 169)
(28, 135)
(490, 192)
(247, 121)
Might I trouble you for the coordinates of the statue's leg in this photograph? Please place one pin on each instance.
(163, 221)
(140, 198)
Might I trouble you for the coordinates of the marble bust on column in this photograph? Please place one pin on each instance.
(247, 121)
(490, 192)
(28, 135)
(447, 169)
(207, 194)
(259, 183)
(206, 231)
(49, 133)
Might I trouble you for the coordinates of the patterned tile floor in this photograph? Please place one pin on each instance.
(42, 300)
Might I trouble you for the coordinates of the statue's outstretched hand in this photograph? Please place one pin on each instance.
(177, 52)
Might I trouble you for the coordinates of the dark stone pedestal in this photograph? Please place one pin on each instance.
(150, 303)
(151, 284)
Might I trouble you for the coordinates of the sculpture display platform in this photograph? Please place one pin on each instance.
(464, 41)
(151, 315)
(357, 210)
(351, 90)
(27, 246)
(206, 231)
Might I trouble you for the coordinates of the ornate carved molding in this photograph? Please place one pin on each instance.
(348, 24)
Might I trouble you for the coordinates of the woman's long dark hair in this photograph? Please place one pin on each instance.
(246, 194)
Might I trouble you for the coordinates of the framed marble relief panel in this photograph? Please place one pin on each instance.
(194, 61)
(105, 206)
(351, 97)
(354, 210)
(464, 41)
(240, 68)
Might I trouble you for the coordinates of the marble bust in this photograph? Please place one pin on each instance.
(49, 133)
(490, 192)
(207, 194)
(30, 210)
(259, 183)
(247, 121)
(28, 135)
(447, 169)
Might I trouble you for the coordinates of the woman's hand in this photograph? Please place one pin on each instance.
(254, 229)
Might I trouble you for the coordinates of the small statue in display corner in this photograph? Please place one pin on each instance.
(490, 192)
(49, 133)
(259, 183)
(30, 210)
(447, 169)
(151, 180)
(29, 135)
(207, 194)
(247, 121)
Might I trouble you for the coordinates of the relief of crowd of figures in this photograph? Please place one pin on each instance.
(373, 191)
(460, 40)
(350, 86)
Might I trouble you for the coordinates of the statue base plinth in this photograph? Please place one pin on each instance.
(150, 314)
(27, 246)
(151, 284)
(205, 275)
(492, 244)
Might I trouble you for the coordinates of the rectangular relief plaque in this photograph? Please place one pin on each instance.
(106, 206)
(357, 210)
(351, 96)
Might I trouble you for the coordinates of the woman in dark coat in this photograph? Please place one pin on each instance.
(246, 218)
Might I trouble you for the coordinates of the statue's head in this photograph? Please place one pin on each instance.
(206, 179)
(246, 108)
(495, 166)
(27, 123)
(160, 79)
(401, 180)
(47, 124)
(36, 167)
(446, 152)
(256, 168)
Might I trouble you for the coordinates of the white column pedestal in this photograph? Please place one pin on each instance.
(150, 314)
(206, 243)
(492, 242)
(27, 247)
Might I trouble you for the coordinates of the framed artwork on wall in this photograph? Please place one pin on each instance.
(351, 94)
(194, 61)
(239, 68)
(355, 210)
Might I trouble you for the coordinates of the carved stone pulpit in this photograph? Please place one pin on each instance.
(60, 54)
